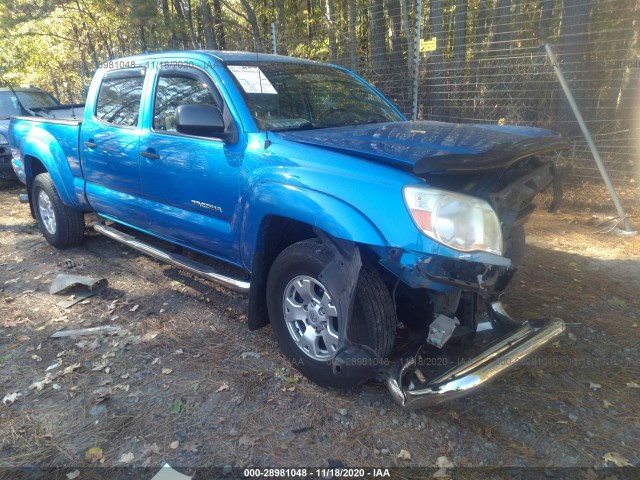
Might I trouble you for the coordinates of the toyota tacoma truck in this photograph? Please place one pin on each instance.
(375, 247)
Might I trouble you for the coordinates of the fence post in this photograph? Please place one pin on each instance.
(273, 38)
(587, 135)
(416, 59)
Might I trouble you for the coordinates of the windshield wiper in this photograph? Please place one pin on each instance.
(301, 126)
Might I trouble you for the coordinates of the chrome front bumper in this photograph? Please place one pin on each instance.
(410, 389)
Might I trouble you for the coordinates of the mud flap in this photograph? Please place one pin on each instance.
(340, 276)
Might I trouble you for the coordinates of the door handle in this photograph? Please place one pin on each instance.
(150, 155)
(90, 144)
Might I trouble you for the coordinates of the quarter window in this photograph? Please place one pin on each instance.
(119, 98)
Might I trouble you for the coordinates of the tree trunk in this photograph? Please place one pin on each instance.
(395, 32)
(502, 35)
(407, 31)
(573, 53)
(218, 25)
(207, 25)
(460, 49)
(180, 32)
(353, 57)
(281, 27)
(253, 22)
(437, 62)
(331, 30)
(377, 37)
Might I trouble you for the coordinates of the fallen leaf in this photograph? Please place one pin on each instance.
(633, 385)
(607, 403)
(290, 380)
(149, 449)
(195, 387)
(134, 308)
(223, 387)
(246, 355)
(155, 361)
(98, 367)
(594, 386)
(617, 459)
(71, 368)
(74, 474)
(247, 441)
(404, 455)
(148, 336)
(94, 454)
(23, 338)
(178, 352)
(37, 358)
(10, 398)
(126, 458)
(40, 384)
(174, 445)
(166, 371)
(444, 462)
(191, 446)
(176, 407)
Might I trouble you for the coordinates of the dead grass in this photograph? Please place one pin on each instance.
(259, 411)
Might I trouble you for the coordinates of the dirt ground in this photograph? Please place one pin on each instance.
(184, 381)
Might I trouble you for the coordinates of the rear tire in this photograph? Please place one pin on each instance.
(304, 319)
(62, 226)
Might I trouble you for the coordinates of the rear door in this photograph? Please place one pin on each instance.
(191, 182)
(109, 147)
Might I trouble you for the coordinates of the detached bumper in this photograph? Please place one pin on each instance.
(410, 389)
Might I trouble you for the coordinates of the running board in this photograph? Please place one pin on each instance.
(205, 271)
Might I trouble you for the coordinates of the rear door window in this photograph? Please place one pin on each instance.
(119, 97)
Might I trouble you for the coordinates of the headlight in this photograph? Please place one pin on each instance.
(3, 140)
(458, 221)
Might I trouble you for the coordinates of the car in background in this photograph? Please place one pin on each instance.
(18, 102)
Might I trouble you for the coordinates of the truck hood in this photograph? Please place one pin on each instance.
(427, 147)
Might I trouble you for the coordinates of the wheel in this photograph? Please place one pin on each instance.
(62, 226)
(304, 317)
(515, 245)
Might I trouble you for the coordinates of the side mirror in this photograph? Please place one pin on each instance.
(200, 120)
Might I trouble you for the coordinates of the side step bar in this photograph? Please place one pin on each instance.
(464, 379)
(176, 259)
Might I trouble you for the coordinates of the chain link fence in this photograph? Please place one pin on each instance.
(484, 61)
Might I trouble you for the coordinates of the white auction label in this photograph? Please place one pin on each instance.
(252, 79)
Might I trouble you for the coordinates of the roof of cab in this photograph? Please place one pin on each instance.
(224, 56)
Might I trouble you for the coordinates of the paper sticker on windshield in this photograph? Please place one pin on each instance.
(252, 79)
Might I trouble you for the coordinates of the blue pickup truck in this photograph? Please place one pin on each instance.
(376, 248)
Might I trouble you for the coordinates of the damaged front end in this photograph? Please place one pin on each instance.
(462, 338)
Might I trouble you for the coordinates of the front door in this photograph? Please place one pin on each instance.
(191, 182)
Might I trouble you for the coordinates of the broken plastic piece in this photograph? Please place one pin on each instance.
(441, 329)
(86, 331)
(63, 282)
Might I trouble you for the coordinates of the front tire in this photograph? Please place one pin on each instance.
(62, 226)
(304, 317)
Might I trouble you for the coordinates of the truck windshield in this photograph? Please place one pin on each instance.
(290, 96)
(9, 105)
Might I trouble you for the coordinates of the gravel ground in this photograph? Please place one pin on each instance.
(184, 381)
